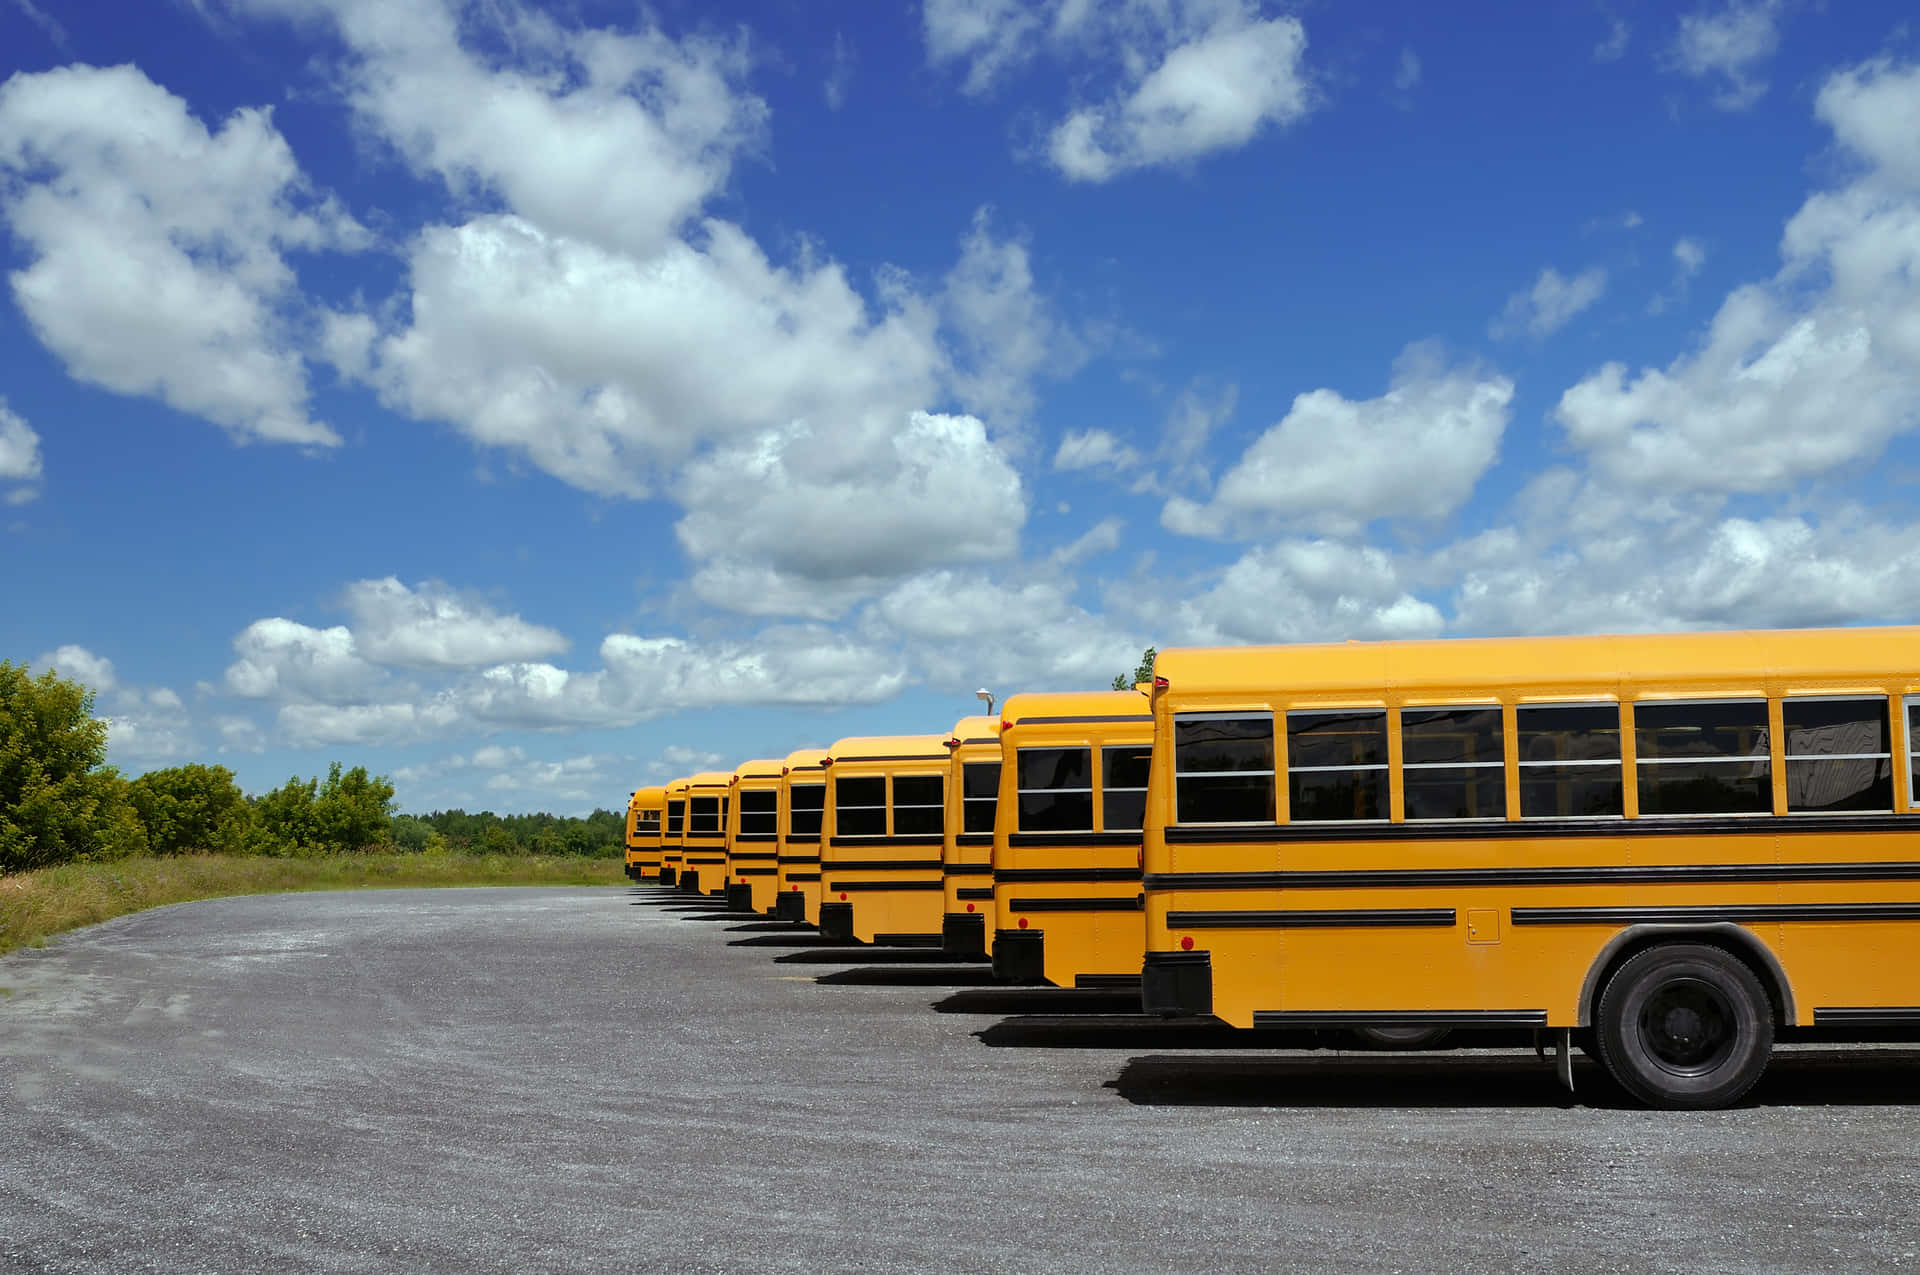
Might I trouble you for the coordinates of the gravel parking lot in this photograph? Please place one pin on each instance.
(613, 1079)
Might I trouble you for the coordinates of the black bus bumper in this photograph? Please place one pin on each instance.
(739, 897)
(1019, 956)
(790, 905)
(1177, 984)
(964, 934)
(836, 922)
(666, 874)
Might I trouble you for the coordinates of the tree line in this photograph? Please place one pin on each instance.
(61, 802)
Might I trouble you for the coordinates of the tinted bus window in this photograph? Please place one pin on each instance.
(1839, 754)
(704, 819)
(1453, 763)
(1056, 789)
(1223, 768)
(1569, 760)
(919, 805)
(860, 806)
(979, 795)
(805, 802)
(676, 813)
(759, 812)
(1703, 758)
(1337, 765)
(1123, 786)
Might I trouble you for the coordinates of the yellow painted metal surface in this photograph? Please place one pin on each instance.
(703, 853)
(644, 834)
(1088, 901)
(967, 858)
(1502, 919)
(893, 880)
(673, 828)
(753, 859)
(798, 867)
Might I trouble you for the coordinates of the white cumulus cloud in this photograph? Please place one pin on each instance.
(1729, 44)
(116, 191)
(1551, 303)
(1335, 464)
(432, 626)
(81, 665)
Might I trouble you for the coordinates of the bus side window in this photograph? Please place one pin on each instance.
(1453, 762)
(1337, 764)
(1703, 757)
(1839, 754)
(1223, 768)
(1569, 760)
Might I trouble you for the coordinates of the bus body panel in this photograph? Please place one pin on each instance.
(704, 846)
(967, 853)
(797, 879)
(1514, 918)
(752, 835)
(673, 833)
(1067, 905)
(884, 883)
(646, 812)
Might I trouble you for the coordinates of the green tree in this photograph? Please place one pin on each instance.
(352, 810)
(191, 807)
(58, 799)
(284, 822)
(411, 835)
(1143, 672)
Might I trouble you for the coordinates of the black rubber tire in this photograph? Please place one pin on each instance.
(1401, 1037)
(1684, 1026)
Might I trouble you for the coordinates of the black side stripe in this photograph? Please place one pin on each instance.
(1850, 1017)
(1608, 874)
(857, 887)
(969, 869)
(799, 858)
(1738, 914)
(803, 876)
(890, 842)
(1133, 904)
(884, 865)
(1314, 918)
(854, 761)
(973, 839)
(1538, 829)
(755, 836)
(706, 858)
(1302, 1018)
(1116, 839)
(1059, 875)
(971, 892)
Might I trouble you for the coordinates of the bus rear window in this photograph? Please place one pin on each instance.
(1056, 789)
(676, 815)
(860, 806)
(759, 812)
(804, 805)
(1223, 768)
(919, 805)
(704, 819)
(979, 795)
(1123, 786)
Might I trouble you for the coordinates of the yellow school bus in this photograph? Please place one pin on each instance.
(1673, 844)
(803, 796)
(644, 811)
(1066, 850)
(753, 836)
(881, 839)
(966, 854)
(704, 846)
(673, 837)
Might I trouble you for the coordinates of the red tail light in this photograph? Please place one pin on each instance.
(1160, 683)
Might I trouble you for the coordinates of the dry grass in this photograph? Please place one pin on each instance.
(37, 905)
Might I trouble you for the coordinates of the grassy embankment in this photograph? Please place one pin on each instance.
(36, 905)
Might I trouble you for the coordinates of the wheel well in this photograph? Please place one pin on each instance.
(1742, 944)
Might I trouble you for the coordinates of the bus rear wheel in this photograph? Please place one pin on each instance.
(1684, 1025)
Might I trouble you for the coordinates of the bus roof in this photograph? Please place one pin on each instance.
(711, 779)
(805, 757)
(1546, 665)
(647, 796)
(889, 747)
(978, 729)
(760, 768)
(1079, 704)
(679, 786)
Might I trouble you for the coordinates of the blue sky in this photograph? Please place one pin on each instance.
(533, 402)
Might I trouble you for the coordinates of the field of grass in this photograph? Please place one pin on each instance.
(37, 905)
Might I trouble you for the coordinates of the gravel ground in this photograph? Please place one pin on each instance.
(614, 1079)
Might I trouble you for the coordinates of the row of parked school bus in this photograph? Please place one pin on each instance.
(1668, 849)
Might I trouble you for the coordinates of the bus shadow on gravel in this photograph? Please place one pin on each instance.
(1039, 1000)
(844, 955)
(799, 939)
(1800, 1078)
(948, 976)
